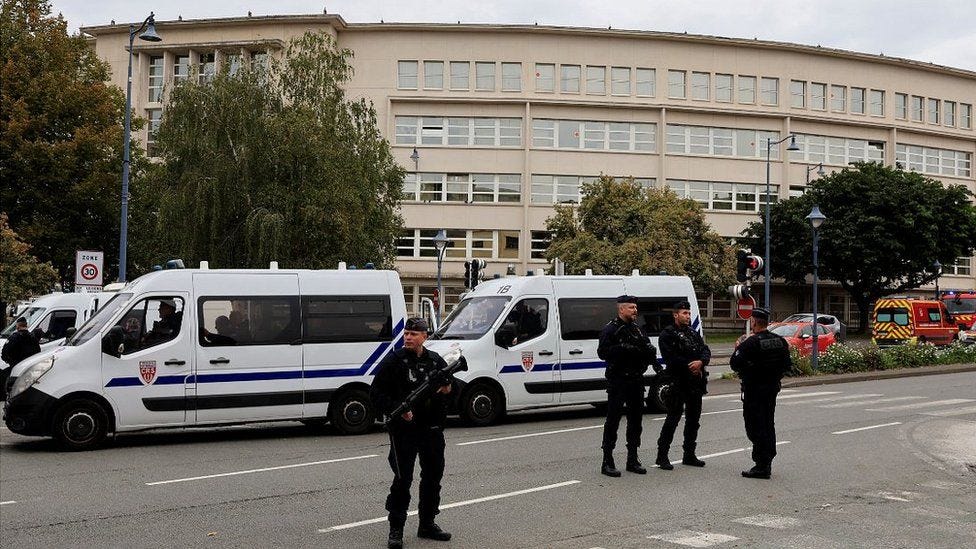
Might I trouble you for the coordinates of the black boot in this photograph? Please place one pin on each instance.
(691, 459)
(633, 463)
(608, 468)
(759, 471)
(395, 540)
(662, 459)
(430, 530)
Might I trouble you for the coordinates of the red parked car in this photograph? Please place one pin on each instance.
(800, 335)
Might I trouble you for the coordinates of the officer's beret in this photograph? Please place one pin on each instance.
(682, 305)
(627, 299)
(760, 313)
(416, 324)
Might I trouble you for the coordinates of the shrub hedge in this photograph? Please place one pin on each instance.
(839, 359)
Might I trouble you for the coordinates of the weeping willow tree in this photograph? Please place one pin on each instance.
(272, 164)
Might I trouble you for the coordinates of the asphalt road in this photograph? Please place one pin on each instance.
(887, 463)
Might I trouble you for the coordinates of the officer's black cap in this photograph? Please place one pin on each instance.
(682, 305)
(760, 313)
(21, 320)
(416, 324)
(627, 299)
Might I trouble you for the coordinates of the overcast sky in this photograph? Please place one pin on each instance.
(935, 31)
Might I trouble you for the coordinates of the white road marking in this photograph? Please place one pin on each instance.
(262, 470)
(455, 504)
(833, 399)
(917, 405)
(938, 511)
(768, 521)
(942, 484)
(735, 451)
(731, 395)
(866, 428)
(805, 395)
(869, 402)
(955, 412)
(7, 502)
(691, 538)
(893, 496)
(528, 435)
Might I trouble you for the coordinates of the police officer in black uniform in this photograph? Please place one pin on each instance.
(417, 432)
(686, 356)
(761, 361)
(19, 346)
(628, 352)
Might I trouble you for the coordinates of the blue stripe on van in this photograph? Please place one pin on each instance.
(268, 376)
(599, 364)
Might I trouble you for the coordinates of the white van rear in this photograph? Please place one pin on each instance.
(532, 341)
(50, 317)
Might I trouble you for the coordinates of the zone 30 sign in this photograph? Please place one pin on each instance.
(88, 270)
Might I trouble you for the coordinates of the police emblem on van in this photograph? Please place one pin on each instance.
(527, 360)
(147, 371)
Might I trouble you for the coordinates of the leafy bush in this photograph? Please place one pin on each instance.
(844, 359)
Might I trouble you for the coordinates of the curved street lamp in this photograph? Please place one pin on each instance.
(816, 219)
(440, 244)
(769, 147)
(820, 171)
(149, 36)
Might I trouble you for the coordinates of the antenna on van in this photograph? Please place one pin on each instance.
(635, 272)
(204, 265)
(342, 265)
(273, 266)
(588, 272)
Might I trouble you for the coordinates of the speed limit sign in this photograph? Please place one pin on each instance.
(88, 270)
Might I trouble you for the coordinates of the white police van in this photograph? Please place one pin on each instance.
(532, 341)
(188, 347)
(52, 317)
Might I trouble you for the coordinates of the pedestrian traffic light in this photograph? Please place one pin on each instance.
(739, 291)
(755, 263)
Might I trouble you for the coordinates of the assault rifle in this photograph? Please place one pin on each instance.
(438, 378)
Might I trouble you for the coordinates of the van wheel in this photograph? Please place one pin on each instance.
(482, 405)
(351, 412)
(656, 399)
(80, 424)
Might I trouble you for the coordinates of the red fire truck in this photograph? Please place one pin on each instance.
(962, 306)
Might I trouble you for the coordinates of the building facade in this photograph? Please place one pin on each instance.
(497, 123)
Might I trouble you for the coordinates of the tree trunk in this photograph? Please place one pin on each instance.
(863, 313)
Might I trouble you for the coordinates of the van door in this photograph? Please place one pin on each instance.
(249, 352)
(526, 350)
(585, 307)
(150, 381)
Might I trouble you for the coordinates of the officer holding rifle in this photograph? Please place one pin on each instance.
(416, 430)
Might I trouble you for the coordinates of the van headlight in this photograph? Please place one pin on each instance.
(30, 376)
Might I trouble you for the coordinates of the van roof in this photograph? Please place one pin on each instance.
(543, 283)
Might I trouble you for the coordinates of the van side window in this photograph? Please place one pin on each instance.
(56, 324)
(584, 318)
(654, 314)
(346, 319)
(249, 320)
(935, 315)
(527, 320)
(151, 322)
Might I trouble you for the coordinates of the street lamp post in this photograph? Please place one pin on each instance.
(816, 219)
(149, 36)
(937, 269)
(440, 244)
(769, 147)
(820, 171)
(416, 160)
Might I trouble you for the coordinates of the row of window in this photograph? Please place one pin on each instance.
(205, 65)
(458, 131)
(721, 141)
(839, 151)
(462, 187)
(471, 243)
(934, 161)
(838, 97)
(593, 135)
(728, 88)
(724, 196)
(565, 189)
(933, 111)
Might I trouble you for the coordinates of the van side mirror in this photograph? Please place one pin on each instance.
(505, 335)
(112, 342)
(70, 331)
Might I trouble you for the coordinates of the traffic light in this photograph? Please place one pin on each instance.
(755, 263)
(467, 275)
(477, 271)
(746, 264)
(739, 291)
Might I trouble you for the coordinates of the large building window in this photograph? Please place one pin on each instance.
(747, 89)
(484, 76)
(407, 75)
(155, 117)
(596, 80)
(545, 77)
(798, 94)
(433, 75)
(963, 266)
(918, 110)
(934, 161)
(259, 62)
(569, 78)
(512, 77)
(646, 82)
(838, 151)
(700, 85)
(723, 88)
(594, 135)
(877, 100)
(857, 100)
(620, 81)
(460, 132)
(676, 84)
(181, 68)
(818, 96)
(565, 189)
(465, 188)
(965, 116)
(723, 196)
(720, 141)
(460, 75)
(933, 111)
(155, 79)
(539, 244)
(838, 98)
(207, 68)
(769, 90)
(949, 116)
(901, 106)
(464, 243)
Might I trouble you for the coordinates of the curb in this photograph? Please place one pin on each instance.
(731, 386)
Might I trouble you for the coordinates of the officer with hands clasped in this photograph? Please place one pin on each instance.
(761, 361)
(686, 356)
(628, 352)
(417, 432)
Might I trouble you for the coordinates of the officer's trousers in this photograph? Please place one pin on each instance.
(624, 396)
(407, 443)
(758, 410)
(690, 402)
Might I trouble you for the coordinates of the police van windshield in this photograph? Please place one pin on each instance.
(956, 306)
(94, 325)
(472, 318)
(31, 314)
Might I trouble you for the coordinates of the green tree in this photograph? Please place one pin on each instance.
(21, 275)
(274, 165)
(60, 137)
(620, 226)
(885, 228)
